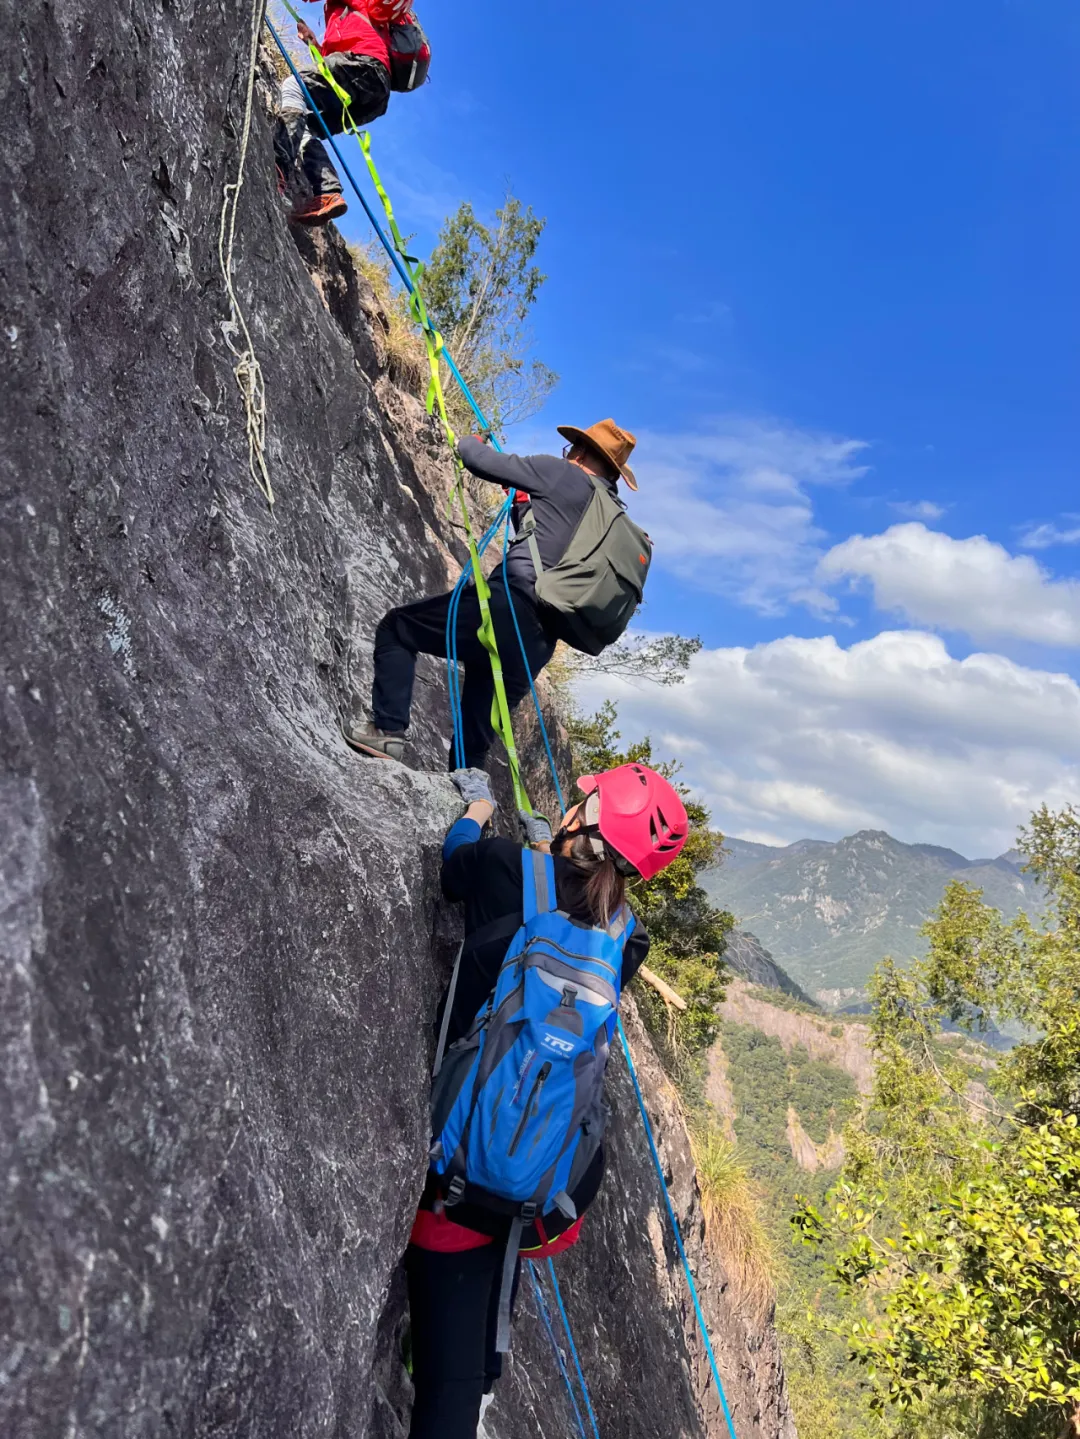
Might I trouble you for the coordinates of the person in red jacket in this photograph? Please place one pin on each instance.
(356, 51)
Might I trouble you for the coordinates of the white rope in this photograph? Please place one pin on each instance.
(248, 371)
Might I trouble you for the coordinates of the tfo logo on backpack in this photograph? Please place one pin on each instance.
(558, 1044)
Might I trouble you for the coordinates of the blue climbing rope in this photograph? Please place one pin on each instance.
(541, 1305)
(406, 280)
(528, 672)
(573, 1348)
(452, 681)
(403, 273)
(503, 520)
(678, 1236)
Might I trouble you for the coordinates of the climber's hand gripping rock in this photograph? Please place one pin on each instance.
(474, 786)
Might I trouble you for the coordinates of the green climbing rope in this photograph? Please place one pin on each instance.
(436, 401)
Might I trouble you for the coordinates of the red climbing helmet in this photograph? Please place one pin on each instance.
(638, 815)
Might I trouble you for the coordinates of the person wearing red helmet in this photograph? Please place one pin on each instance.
(356, 50)
(630, 824)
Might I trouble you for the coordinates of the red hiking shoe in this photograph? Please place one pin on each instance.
(319, 210)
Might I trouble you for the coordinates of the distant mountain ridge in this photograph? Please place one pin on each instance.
(827, 912)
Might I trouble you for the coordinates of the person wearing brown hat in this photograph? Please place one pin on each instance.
(557, 491)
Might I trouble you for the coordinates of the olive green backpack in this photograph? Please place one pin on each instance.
(590, 596)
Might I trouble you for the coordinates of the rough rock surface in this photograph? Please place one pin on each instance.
(220, 939)
(747, 957)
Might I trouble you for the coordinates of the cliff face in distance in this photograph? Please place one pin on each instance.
(221, 942)
(747, 957)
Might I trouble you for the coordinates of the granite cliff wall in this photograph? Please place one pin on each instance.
(221, 941)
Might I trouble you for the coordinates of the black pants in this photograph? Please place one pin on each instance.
(421, 629)
(298, 135)
(453, 1312)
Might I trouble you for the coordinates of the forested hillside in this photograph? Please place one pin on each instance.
(828, 913)
(929, 1184)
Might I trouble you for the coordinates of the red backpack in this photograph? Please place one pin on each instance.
(410, 53)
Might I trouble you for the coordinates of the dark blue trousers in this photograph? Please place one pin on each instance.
(420, 628)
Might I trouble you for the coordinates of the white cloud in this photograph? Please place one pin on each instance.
(974, 586)
(918, 509)
(1042, 537)
(801, 737)
(759, 836)
(729, 508)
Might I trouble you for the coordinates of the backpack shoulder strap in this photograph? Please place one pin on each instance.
(527, 532)
(444, 1028)
(604, 493)
(538, 883)
(622, 925)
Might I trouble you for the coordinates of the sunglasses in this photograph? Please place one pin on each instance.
(613, 472)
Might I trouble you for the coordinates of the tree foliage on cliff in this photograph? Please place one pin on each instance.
(480, 285)
(660, 659)
(958, 1210)
(688, 934)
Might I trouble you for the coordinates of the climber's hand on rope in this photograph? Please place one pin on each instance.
(306, 33)
(474, 786)
(535, 829)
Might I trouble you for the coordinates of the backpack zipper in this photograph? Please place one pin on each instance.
(579, 958)
(534, 1095)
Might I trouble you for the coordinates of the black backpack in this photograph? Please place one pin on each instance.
(410, 53)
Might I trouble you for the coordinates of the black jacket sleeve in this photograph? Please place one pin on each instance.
(541, 476)
(635, 953)
(459, 871)
(488, 464)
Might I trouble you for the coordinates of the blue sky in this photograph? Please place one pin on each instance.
(824, 261)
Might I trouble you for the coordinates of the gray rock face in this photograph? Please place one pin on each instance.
(745, 954)
(221, 942)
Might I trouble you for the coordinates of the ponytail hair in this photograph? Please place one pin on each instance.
(605, 887)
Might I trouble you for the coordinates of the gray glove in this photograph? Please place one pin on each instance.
(473, 785)
(535, 828)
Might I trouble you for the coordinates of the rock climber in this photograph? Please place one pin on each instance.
(631, 824)
(559, 493)
(369, 48)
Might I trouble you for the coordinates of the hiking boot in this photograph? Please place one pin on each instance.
(380, 744)
(319, 210)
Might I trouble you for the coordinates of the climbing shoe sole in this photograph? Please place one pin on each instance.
(319, 212)
(372, 750)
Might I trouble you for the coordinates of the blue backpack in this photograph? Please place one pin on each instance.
(517, 1105)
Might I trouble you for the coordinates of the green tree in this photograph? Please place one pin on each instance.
(958, 1210)
(480, 285)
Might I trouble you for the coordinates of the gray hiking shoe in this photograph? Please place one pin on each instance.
(381, 744)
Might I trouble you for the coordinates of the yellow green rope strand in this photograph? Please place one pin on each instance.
(436, 401)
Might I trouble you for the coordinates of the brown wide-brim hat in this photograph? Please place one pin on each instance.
(609, 440)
